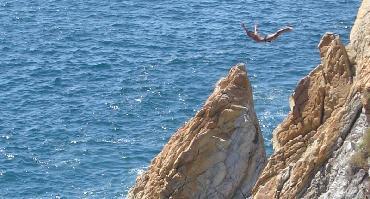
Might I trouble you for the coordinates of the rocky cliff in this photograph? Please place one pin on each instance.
(314, 144)
(217, 154)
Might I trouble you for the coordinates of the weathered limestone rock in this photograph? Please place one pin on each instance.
(359, 49)
(360, 38)
(336, 179)
(321, 112)
(318, 94)
(366, 101)
(313, 144)
(219, 153)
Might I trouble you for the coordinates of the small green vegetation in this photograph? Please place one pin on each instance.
(359, 160)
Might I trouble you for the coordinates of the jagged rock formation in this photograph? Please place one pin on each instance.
(336, 179)
(321, 112)
(219, 153)
(314, 143)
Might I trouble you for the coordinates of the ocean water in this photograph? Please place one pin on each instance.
(90, 91)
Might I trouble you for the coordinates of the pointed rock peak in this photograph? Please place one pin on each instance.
(235, 84)
(237, 76)
(217, 154)
(326, 39)
(325, 113)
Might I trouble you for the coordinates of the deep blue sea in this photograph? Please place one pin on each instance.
(90, 91)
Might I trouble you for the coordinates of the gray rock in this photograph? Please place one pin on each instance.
(336, 179)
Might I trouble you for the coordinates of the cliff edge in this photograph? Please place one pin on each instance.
(321, 149)
(328, 119)
(217, 154)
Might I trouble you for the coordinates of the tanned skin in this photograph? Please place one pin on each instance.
(268, 38)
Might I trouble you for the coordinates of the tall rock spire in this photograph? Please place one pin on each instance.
(218, 153)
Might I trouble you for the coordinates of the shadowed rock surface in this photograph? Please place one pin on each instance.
(336, 178)
(217, 154)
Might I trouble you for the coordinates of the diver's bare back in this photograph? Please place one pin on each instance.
(268, 38)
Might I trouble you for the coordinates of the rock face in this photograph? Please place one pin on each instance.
(219, 153)
(336, 179)
(329, 113)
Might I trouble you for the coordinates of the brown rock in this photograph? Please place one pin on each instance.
(219, 153)
(316, 95)
(366, 100)
(324, 108)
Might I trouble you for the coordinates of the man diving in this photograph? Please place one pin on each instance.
(268, 38)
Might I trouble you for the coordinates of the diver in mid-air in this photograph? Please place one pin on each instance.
(268, 38)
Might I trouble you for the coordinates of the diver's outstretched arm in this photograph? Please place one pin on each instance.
(247, 32)
(275, 35)
(251, 34)
(255, 29)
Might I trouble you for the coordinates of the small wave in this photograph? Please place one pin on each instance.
(115, 141)
(9, 156)
(58, 81)
(137, 171)
(101, 66)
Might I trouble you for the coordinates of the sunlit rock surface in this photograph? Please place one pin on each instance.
(328, 117)
(217, 154)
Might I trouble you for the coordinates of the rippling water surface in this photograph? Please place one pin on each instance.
(90, 91)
